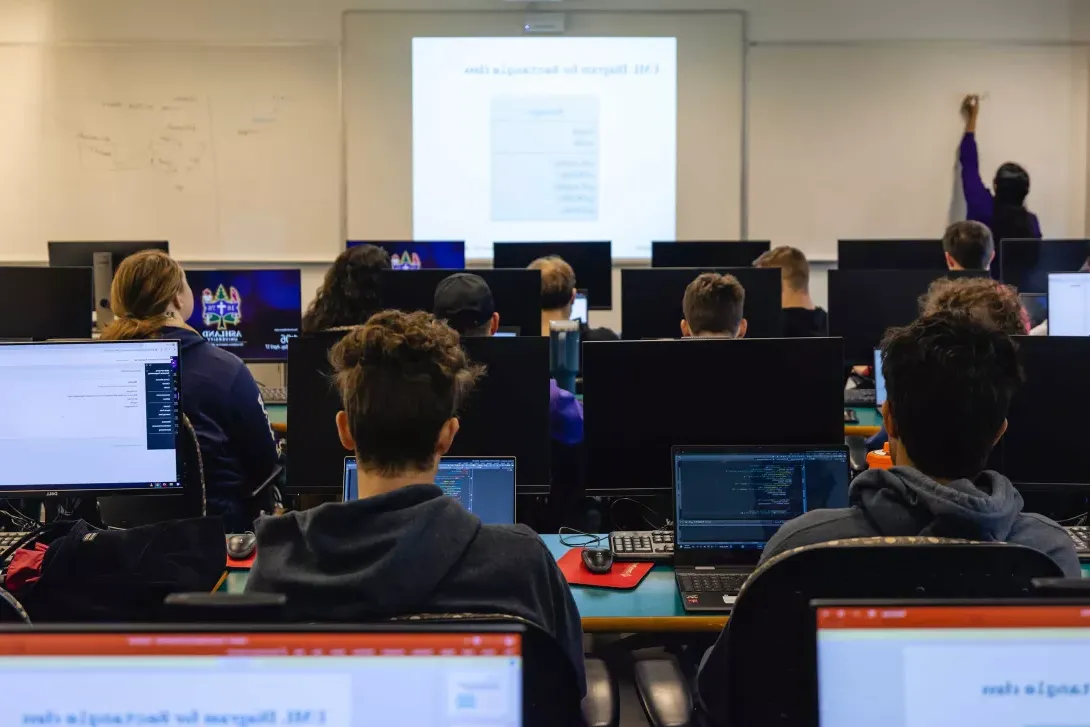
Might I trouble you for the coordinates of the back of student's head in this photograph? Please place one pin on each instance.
(557, 282)
(950, 378)
(1011, 220)
(349, 294)
(987, 300)
(144, 287)
(402, 377)
(793, 265)
(714, 305)
(465, 302)
(970, 245)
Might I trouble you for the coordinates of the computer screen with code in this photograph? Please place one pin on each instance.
(484, 486)
(736, 500)
(89, 417)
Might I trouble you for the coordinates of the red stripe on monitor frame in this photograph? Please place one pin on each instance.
(953, 617)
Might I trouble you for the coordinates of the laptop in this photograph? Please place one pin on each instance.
(952, 663)
(403, 674)
(728, 503)
(484, 485)
(579, 307)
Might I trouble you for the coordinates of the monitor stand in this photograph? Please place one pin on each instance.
(103, 263)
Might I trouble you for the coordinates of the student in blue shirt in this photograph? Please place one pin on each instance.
(151, 299)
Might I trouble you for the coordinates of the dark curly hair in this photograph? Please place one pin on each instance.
(349, 294)
(983, 298)
(401, 377)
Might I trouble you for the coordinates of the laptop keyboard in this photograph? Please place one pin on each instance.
(1080, 534)
(729, 583)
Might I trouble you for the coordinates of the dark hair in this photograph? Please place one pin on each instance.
(1011, 220)
(793, 265)
(970, 244)
(144, 286)
(401, 377)
(949, 381)
(985, 299)
(349, 294)
(557, 281)
(713, 304)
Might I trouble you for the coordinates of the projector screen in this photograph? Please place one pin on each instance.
(545, 139)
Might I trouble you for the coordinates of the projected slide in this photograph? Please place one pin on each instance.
(545, 139)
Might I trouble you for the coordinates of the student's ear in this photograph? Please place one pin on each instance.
(495, 325)
(344, 433)
(890, 424)
(446, 436)
(574, 293)
(1002, 431)
(742, 328)
(686, 332)
(991, 259)
(951, 263)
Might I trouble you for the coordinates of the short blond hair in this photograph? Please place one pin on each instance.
(793, 265)
(557, 281)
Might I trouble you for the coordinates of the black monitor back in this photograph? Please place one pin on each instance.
(315, 455)
(890, 255)
(707, 254)
(46, 302)
(643, 397)
(517, 293)
(1025, 264)
(864, 303)
(591, 261)
(82, 254)
(651, 300)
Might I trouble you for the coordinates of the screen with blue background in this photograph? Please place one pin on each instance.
(251, 313)
(485, 486)
(420, 255)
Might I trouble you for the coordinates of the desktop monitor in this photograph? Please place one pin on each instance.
(579, 309)
(707, 254)
(251, 313)
(642, 398)
(420, 255)
(517, 293)
(302, 675)
(890, 255)
(1025, 264)
(103, 258)
(45, 303)
(651, 300)
(87, 418)
(863, 304)
(951, 663)
(485, 486)
(591, 261)
(1069, 304)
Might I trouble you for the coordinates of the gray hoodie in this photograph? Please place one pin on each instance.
(904, 501)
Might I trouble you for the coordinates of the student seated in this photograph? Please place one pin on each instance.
(950, 378)
(557, 296)
(151, 299)
(465, 302)
(801, 318)
(349, 294)
(403, 547)
(713, 307)
(968, 246)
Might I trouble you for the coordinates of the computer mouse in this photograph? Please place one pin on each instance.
(241, 547)
(598, 560)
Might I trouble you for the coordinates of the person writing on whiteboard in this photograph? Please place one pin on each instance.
(1001, 208)
(151, 299)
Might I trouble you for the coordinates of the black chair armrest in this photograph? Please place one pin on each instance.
(601, 706)
(664, 693)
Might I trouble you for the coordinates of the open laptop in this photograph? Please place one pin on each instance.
(728, 503)
(484, 485)
(418, 674)
(953, 663)
(579, 307)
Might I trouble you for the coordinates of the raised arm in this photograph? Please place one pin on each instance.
(977, 197)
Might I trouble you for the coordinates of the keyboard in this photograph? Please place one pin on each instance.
(1080, 534)
(277, 395)
(860, 397)
(7, 540)
(654, 546)
(727, 583)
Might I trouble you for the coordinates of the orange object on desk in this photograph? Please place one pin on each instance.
(623, 576)
(879, 459)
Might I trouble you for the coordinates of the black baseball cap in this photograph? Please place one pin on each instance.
(464, 300)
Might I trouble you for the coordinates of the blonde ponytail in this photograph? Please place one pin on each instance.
(144, 286)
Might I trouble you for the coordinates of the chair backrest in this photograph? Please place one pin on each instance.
(761, 672)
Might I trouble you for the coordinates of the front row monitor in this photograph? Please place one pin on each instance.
(1026, 264)
(45, 303)
(592, 263)
(707, 254)
(646, 397)
(90, 418)
(251, 313)
(652, 298)
(419, 254)
(890, 255)
(103, 257)
(1069, 304)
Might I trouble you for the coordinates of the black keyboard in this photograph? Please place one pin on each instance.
(728, 583)
(1080, 534)
(654, 546)
(7, 540)
(278, 395)
(860, 397)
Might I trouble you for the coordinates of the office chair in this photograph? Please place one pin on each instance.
(761, 671)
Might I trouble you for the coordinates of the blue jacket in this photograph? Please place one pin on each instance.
(904, 501)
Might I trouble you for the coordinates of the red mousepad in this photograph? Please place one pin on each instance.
(623, 576)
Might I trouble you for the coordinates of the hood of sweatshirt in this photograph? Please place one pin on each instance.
(903, 500)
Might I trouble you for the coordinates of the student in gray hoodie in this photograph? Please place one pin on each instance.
(950, 378)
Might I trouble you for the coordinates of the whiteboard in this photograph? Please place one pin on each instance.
(861, 141)
(229, 153)
(20, 121)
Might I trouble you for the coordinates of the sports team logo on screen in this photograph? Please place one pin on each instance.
(221, 309)
(405, 261)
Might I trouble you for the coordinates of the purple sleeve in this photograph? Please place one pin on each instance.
(1036, 222)
(565, 414)
(978, 199)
